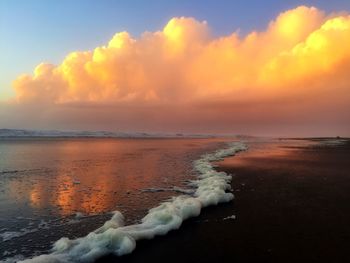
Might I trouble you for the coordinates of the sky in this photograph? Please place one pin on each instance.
(258, 67)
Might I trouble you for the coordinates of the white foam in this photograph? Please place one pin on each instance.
(113, 237)
(232, 217)
(8, 235)
(333, 142)
(183, 190)
(14, 259)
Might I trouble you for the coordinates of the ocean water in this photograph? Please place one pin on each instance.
(93, 191)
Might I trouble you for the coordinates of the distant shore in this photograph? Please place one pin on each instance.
(291, 205)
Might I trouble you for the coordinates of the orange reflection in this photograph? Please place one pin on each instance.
(35, 198)
(93, 176)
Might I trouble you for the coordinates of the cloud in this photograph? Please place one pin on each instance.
(294, 73)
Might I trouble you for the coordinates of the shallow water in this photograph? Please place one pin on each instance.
(67, 187)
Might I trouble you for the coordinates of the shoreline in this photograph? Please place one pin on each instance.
(291, 206)
(209, 188)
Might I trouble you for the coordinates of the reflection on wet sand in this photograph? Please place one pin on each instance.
(53, 188)
(95, 176)
(276, 150)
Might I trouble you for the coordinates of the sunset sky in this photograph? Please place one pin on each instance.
(251, 67)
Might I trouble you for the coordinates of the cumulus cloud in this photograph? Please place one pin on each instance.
(295, 73)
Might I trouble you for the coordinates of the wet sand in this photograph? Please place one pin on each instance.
(67, 187)
(292, 204)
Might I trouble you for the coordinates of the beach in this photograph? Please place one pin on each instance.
(57, 188)
(291, 205)
(175, 131)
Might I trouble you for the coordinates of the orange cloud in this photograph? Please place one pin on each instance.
(300, 61)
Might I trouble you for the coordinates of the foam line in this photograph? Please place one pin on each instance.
(116, 238)
(333, 142)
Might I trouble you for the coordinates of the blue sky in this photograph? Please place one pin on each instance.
(34, 31)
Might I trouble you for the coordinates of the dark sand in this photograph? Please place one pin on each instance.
(292, 205)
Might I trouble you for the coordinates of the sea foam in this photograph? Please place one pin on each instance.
(114, 237)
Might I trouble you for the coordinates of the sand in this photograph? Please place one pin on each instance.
(291, 205)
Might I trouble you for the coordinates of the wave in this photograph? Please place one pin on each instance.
(211, 188)
(333, 142)
(16, 133)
